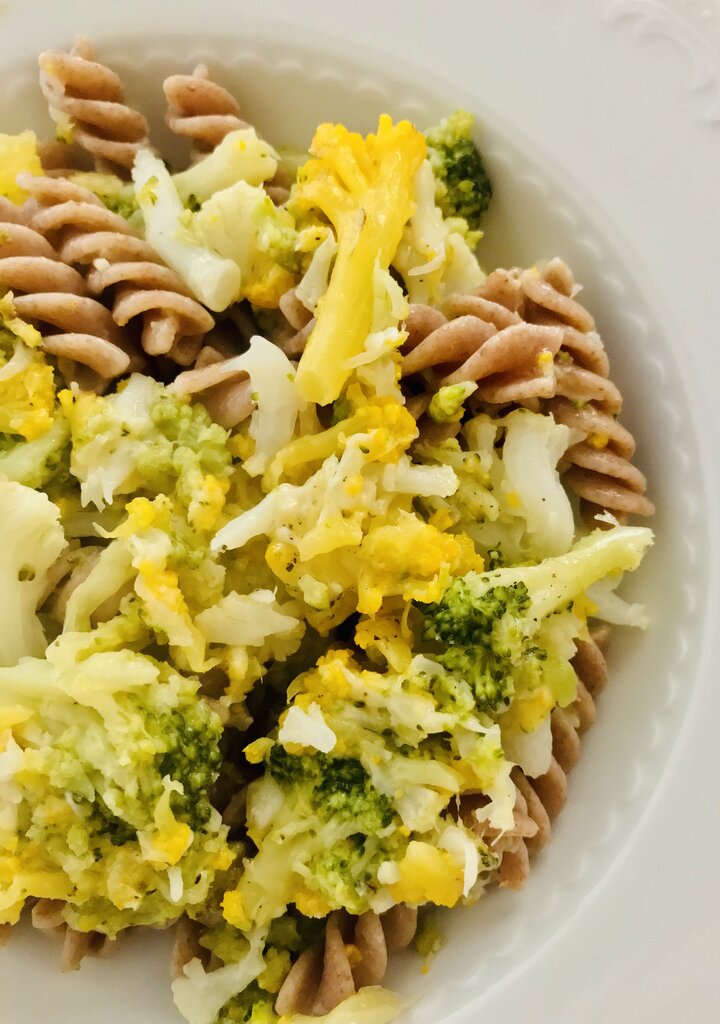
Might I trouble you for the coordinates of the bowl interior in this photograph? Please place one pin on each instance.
(539, 211)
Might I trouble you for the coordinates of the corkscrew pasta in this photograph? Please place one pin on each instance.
(52, 294)
(200, 110)
(528, 335)
(87, 234)
(313, 538)
(90, 98)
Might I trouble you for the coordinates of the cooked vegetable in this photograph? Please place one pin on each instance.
(240, 156)
(254, 677)
(18, 154)
(463, 188)
(118, 195)
(145, 439)
(213, 280)
(111, 757)
(364, 188)
(242, 224)
(32, 540)
(510, 633)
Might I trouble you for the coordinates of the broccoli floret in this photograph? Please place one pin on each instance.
(116, 194)
(116, 758)
(295, 932)
(280, 243)
(463, 188)
(484, 638)
(486, 673)
(107, 824)
(495, 626)
(145, 439)
(346, 790)
(189, 737)
(344, 848)
(253, 1006)
(193, 759)
(460, 618)
(338, 786)
(345, 872)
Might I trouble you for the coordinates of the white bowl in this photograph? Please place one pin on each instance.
(287, 81)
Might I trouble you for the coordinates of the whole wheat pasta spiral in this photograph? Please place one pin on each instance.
(88, 234)
(91, 98)
(59, 160)
(220, 384)
(353, 954)
(300, 321)
(541, 799)
(54, 296)
(47, 916)
(600, 469)
(525, 339)
(200, 110)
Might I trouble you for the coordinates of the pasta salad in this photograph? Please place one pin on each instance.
(313, 533)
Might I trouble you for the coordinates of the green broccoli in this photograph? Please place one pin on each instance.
(117, 195)
(336, 786)
(253, 1006)
(465, 617)
(117, 754)
(463, 188)
(496, 628)
(193, 759)
(145, 439)
(338, 793)
(483, 637)
(41, 463)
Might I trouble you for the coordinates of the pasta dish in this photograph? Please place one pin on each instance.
(313, 533)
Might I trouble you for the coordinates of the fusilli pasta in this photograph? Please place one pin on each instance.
(222, 387)
(524, 338)
(47, 917)
(53, 295)
(353, 953)
(88, 99)
(88, 234)
(200, 109)
(541, 799)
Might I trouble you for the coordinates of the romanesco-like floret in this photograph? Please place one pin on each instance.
(463, 186)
